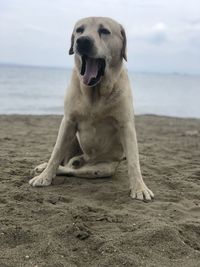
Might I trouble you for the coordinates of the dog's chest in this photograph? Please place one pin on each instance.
(96, 135)
(97, 126)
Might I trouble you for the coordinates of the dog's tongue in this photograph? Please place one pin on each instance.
(91, 70)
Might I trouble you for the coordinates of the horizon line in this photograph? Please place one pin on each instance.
(10, 64)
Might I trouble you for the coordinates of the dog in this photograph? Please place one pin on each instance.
(97, 130)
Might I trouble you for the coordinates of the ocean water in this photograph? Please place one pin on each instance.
(40, 90)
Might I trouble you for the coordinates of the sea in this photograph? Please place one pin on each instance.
(41, 90)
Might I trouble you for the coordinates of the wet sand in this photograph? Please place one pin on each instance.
(84, 222)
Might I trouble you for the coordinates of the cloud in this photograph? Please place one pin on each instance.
(158, 34)
(154, 35)
(192, 22)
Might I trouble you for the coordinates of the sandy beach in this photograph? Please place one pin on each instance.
(82, 222)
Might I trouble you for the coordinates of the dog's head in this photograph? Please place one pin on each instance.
(98, 43)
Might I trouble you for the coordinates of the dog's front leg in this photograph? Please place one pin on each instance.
(65, 136)
(138, 188)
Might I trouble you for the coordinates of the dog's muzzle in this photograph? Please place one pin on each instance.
(92, 69)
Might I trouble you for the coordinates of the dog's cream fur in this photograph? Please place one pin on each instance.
(97, 129)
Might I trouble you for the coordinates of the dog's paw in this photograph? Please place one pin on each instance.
(40, 180)
(143, 193)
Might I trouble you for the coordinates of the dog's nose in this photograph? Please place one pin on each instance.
(84, 45)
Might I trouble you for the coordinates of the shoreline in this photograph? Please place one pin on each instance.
(69, 68)
(61, 114)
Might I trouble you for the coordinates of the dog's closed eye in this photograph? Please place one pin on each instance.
(104, 31)
(80, 29)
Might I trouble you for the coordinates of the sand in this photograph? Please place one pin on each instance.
(82, 222)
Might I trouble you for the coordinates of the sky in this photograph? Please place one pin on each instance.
(163, 35)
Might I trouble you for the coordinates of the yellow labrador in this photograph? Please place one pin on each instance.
(97, 130)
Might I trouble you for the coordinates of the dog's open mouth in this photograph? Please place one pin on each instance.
(92, 70)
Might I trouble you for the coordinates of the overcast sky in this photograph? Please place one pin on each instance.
(163, 35)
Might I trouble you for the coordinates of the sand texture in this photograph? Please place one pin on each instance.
(84, 222)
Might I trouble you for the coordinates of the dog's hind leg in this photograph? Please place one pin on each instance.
(77, 167)
(88, 170)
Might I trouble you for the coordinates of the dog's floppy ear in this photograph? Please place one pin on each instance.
(123, 52)
(71, 50)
